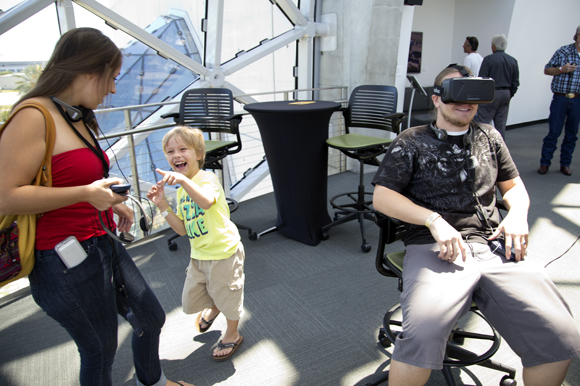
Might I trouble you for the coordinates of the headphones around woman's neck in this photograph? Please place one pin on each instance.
(75, 113)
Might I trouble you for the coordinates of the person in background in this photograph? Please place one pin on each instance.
(83, 299)
(565, 106)
(441, 181)
(504, 70)
(473, 59)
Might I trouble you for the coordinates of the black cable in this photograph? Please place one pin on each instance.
(113, 151)
(567, 250)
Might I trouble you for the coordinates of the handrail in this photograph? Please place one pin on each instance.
(131, 130)
(134, 107)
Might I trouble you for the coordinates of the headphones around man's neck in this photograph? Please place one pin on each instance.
(442, 134)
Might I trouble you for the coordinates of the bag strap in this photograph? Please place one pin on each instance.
(44, 174)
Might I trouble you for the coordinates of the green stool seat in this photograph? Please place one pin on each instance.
(369, 107)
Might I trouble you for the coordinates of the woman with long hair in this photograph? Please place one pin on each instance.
(84, 299)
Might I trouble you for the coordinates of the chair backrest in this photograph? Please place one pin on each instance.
(370, 105)
(209, 109)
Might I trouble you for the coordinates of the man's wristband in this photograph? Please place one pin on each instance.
(560, 69)
(434, 216)
(166, 212)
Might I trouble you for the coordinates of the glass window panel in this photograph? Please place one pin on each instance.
(146, 77)
(248, 22)
(38, 47)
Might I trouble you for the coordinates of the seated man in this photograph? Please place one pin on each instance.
(440, 179)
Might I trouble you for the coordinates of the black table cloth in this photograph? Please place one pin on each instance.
(294, 137)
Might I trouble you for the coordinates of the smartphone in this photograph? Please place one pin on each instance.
(71, 252)
(121, 188)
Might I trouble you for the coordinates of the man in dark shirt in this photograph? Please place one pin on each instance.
(504, 70)
(441, 180)
(565, 106)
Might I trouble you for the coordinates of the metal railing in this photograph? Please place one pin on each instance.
(131, 130)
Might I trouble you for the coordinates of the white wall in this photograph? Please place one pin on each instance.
(535, 30)
(435, 20)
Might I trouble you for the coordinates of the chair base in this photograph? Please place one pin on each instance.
(360, 209)
(456, 356)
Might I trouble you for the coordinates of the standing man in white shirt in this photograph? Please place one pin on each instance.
(473, 59)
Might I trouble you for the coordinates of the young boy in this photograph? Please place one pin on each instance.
(215, 275)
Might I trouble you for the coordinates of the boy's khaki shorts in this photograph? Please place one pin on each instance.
(215, 282)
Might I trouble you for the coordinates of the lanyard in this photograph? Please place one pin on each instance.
(95, 149)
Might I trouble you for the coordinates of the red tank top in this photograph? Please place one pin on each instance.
(72, 168)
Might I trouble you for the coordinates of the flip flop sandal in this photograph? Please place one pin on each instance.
(200, 319)
(222, 346)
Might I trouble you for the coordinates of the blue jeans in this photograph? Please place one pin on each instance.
(562, 110)
(83, 300)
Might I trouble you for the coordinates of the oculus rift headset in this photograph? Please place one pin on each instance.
(76, 114)
(465, 90)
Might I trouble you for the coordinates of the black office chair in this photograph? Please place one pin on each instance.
(371, 107)
(391, 265)
(212, 111)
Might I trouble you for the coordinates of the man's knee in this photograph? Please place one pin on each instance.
(402, 374)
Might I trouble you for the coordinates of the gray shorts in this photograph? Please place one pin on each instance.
(518, 299)
(215, 282)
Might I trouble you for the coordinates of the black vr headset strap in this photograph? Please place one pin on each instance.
(461, 69)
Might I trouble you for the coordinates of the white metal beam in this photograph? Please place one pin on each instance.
(21, 12)
(66, 15)
(214, 23)
(306, 52)
(163, 49)
(293, 13)
(264, 49)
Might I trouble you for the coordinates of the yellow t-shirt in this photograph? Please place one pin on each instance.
(213, 236)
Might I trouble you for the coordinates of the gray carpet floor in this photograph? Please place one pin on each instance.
(312, 313)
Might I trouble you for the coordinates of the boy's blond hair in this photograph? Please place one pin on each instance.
(192, 137)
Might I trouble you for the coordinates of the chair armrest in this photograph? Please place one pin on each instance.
(397, 119)
(170, 115)
(395, 116)
(390, 230)
(236, 116)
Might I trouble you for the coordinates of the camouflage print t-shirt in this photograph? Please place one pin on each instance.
(449, 177)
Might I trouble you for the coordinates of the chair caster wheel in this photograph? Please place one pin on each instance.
(172, 246)
(253, 236)
(383, 340)
(507, 381)
(365, 247)
(382, 334)
(324, 236)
